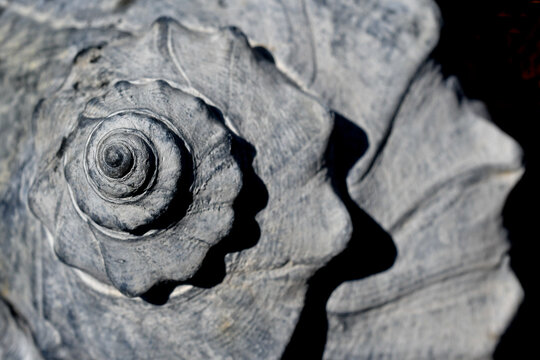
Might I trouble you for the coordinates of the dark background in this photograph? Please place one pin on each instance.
(493, 47)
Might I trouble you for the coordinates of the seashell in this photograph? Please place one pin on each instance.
(181, 188)
(169, 175)
(452, 270)
(116, 227)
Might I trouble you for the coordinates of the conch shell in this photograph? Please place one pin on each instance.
(302, 183)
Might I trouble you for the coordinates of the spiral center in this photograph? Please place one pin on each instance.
(121, 162)
(117, 160)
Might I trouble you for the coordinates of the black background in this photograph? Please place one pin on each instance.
(493, 47)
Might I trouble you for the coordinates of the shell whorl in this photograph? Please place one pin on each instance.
(146, 177)
(252, 213)
(363, 62)
(124, 188)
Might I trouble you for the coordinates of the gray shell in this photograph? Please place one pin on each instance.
(247, 139)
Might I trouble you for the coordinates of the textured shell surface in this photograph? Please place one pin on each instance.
(178, 179)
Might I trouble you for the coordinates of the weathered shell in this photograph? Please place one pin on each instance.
(245, 174)
(450, 293)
